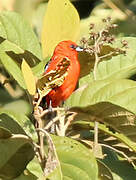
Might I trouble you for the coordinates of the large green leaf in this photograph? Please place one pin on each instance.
(56, 174)
(121, 169)
(18, 41)
(74, 172)
(16, 30)
(17, 123)
(76, 161)
(103, 128)
(114, 116)
(7, 121)
(112, 103)
(16, 151)
(120, 92)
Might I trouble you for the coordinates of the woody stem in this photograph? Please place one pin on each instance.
(97, 59)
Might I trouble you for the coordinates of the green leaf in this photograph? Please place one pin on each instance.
(13, 162)
(17, 31)
(122, 169)
(120, 92)
(77, 162)
(104, 172)
(35, 168)
(114, 116)
(16, 123)
(55, 175)
(61, 22)
(7, 121)
(18, 106)
(67, 178)
(74, 172)
(18, 41)
(119, 136)
(85, 80)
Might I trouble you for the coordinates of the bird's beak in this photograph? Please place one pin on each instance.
(79, 48)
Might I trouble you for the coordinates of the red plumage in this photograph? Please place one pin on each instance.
(65, 49)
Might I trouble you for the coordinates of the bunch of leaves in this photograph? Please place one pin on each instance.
(106, 94)
(21, 57)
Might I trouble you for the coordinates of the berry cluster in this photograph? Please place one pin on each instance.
(97, 40)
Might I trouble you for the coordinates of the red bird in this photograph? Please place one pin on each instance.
(65, 49)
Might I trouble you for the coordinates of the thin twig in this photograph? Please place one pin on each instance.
(118, 151)
(70, 118)
(106, 55)
(95, 135)
(61, 127)
(53, 109)
(22, 136)
(44, 112)
(51, 123)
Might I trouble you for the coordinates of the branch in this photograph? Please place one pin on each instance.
(119, 152)
(40, 150)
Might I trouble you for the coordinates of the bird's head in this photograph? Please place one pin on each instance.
(67, 48)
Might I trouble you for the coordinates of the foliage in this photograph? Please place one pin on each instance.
(104, 100)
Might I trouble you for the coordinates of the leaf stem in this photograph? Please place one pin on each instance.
(97, 59)
(96, 124)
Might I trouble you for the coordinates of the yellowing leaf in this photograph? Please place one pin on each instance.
(61, 22)
(28, 77)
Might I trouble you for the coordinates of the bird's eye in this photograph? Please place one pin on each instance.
(73, 46)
